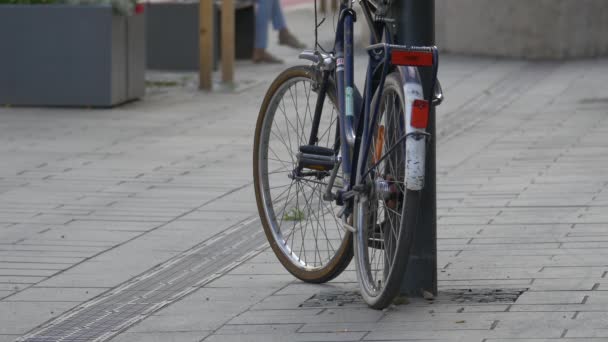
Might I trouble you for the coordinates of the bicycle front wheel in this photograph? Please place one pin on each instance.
(302, 228)
(385, 215)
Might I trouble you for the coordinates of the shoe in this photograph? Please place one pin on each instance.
(286, 38)
(261, 56)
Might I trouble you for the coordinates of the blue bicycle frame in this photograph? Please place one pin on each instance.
(356, 117)
(347, 92)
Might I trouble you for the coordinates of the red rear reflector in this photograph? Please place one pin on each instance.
(420, 114)
(413, 58)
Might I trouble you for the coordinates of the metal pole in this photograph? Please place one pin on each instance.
(416, 26)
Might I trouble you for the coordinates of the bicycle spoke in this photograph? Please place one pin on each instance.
(277, 157)
(325, 231)
(282, 140)
(296, 215)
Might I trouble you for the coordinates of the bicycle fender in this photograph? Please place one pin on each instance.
(415, 144)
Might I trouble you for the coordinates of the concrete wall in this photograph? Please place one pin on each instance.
(533, 29)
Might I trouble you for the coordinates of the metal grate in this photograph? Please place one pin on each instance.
(102, 318)
(461, 296)
(483, 295)
(333, 298)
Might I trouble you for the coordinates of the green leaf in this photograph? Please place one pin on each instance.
(294, 214)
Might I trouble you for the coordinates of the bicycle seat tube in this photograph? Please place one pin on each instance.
(345, 84)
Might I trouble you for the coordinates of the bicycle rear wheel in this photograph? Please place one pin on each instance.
(386, 214)
(302, 228)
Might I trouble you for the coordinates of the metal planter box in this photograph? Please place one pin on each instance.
(173, 34)
(70, 55)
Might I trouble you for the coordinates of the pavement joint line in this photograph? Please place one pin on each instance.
(261, 249)
(136, 236)
(73, 332)
(479, 101)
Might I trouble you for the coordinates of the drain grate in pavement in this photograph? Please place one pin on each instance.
(483, 295)
(332, 298)
(102, 318)
(461, 296)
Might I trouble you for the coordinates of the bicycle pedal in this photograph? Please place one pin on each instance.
(316, 158)
(318, 150)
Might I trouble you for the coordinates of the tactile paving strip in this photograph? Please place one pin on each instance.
(103, 317)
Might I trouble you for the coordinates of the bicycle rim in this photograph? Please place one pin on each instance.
(303, 229)
(383, 215)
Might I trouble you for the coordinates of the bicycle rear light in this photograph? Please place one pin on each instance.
(411, 58)
(420, 113)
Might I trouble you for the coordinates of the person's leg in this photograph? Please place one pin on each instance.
(279, 24)
(262, 18)
(278, 20)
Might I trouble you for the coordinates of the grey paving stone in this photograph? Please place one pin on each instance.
(565, 284)
(27, 273)
(300, 337)
(259, 269)
(552, 297)
(292, 301)
(297, 288)
(193, 323)
(459, 335)
(50, 248)
(587, 334)
(306, 316)
(56, 294)
(20, 280)
(20, 317)
(402, 326)
(572, 272)
(213, 308)
(500, 261)
(558, 307)
(4, 294)
(488, 283)
(253, 281)
(165, 336)
(543, 339)
(8, 338)
(256, 329)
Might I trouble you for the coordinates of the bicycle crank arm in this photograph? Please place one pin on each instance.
(328, 195)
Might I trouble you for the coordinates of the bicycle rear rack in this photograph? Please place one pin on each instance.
(418, 56)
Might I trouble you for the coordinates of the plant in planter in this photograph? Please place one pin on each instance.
(71, 52)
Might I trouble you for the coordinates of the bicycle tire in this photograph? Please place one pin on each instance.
(322, 265)
(386, 215)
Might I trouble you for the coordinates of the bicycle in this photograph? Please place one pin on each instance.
(338, 173)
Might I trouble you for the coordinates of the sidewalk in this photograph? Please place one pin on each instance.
(120, 212)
